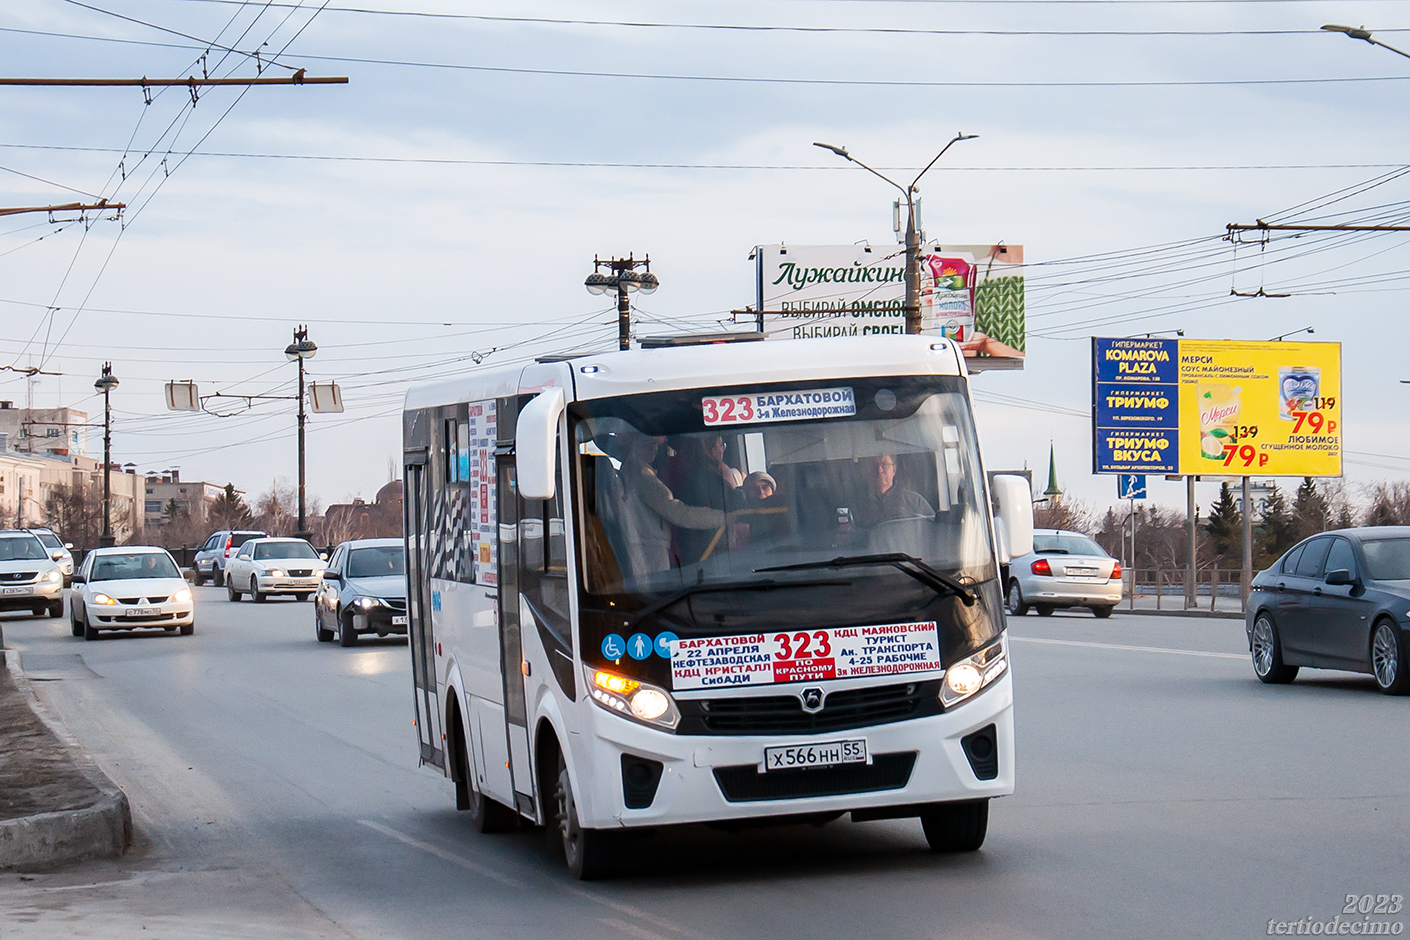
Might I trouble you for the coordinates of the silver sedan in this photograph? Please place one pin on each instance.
(1065, 569)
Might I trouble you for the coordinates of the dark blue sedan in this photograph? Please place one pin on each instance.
(1339, 600)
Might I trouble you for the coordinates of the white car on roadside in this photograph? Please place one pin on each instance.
(274, 566)
(130, 588)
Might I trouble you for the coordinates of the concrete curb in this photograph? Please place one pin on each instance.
(1203, 614)
(48, 840)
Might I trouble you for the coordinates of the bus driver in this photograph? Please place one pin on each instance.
(885, 500)
(649, 509)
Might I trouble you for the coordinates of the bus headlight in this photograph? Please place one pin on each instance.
(966, 677)
(632, 698)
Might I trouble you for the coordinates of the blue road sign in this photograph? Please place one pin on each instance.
(1131, 486)
(663, 643)
(613, 646)
(640, 646)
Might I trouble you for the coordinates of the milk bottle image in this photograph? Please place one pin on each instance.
(1294, 384)
(1218, 415)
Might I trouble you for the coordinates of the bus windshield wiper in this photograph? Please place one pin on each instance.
(669, 600)
(909, 564)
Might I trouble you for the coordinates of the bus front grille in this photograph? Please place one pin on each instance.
(744, 784)
(783, 714)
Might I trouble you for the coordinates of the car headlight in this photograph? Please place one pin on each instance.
(101, 598)
(966, 677)
(182, 595)
(367, 603)
(53, 574)
(274, 572)
(632, 698)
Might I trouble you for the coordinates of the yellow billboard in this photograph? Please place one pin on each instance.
(1267, 409)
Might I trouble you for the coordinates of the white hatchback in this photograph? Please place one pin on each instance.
(274, 566)
(130, 588)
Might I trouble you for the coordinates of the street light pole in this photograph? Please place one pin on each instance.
(300, 349)
(912, 305)
(105, 384)
(623, 279)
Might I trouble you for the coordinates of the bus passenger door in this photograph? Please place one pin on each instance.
(420, 627)
(516, 717)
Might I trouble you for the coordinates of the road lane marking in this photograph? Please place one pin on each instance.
(1129, 649)
(628, 910)
(441, 853)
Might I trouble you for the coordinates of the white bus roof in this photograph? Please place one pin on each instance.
(635, 371)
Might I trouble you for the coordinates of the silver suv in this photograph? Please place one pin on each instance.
(1065, 569)
(210, 560)
(29, 578)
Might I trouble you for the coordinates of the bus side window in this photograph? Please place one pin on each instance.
(543, 579)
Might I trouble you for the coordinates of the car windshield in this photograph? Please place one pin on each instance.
(284, 550)
(133, 565)
(22, 548)
(1066, 545)
(1387, 559)
(49, 539)
(672, 504)
(381, 561)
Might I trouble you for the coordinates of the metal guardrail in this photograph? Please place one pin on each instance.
(1168, 588)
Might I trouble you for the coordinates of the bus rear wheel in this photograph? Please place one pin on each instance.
(590, 853)
(956, 827)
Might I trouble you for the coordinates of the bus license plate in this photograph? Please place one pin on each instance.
(399, 620)
(825, 754)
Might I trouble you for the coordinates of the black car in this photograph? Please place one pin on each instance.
(363, 591)
(1339, 600)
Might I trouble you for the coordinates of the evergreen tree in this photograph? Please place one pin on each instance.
(229, 511)
(1309, 510)
(1276, 530)
(1225, 523)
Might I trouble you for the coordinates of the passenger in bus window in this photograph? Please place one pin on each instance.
(887, 500)
(701, 478)
(765, 515)
(649, 509)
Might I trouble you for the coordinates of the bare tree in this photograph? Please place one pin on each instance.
(1389, 504)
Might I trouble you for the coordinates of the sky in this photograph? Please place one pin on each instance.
(439, 212)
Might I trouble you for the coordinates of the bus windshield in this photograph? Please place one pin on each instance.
(671, 505)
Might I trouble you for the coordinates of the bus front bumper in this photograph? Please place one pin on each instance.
(698, 770)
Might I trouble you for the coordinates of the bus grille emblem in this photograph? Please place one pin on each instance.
(812, 700)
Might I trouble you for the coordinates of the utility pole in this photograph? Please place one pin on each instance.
(623, 279)
(912, 306)
(105, 384)
(1245, 581)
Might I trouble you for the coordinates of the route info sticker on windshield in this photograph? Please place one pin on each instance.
(804, 655)
(760, 407)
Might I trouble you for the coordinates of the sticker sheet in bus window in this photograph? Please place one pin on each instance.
(482, 531)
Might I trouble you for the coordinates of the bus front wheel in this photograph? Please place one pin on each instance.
(590, 853)
(956, 827)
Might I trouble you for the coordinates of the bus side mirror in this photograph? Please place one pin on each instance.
(1013, 523)
(535, 439)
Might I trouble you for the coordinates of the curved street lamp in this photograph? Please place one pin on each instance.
(912, 234)
(105, 384)
(1362, 33)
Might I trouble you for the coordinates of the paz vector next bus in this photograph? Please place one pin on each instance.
(712, 583)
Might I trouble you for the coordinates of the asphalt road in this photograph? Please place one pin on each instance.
(1163, 792)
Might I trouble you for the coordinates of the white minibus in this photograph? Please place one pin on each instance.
(712, 582)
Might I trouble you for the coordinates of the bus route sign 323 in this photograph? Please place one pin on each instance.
(804, 655)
